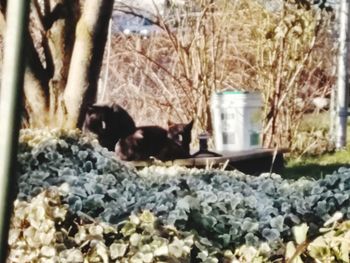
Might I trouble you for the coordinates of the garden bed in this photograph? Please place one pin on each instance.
(199, 215)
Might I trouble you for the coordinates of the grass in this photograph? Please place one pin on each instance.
(318, 166)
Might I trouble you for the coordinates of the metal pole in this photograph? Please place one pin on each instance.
(10, 111)
(342, 78)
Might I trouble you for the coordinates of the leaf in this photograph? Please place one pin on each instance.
(270, 234)
(102, 251)
(147, 217)
(135, 239)
(345, 251)
(128, 229)
(341, 198)
(250, 226)
(225, 239)
(318, 249)
(277, 223)
(300, 233)
(183, 204)
(117, 250)
(335, 218)
(176, 247)
(251, 240)
(208, 222)
(290, 252)
(47, 251)
(72, 255)
(96, 230)
(162, 250)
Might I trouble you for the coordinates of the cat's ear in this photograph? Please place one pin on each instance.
(115, 107)
(189, 126)
(138, 134)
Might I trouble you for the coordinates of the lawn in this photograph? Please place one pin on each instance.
(318, 166)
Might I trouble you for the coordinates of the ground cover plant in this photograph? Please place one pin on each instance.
(44, 230)
(222, 209)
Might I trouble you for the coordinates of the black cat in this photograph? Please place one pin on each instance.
(154, 141)
(109, 122)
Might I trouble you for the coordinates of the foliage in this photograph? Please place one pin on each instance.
(32, 232)
(333, 244)
(256, 209)
(288, 74)
(227, 208)
(52, 158)
(43, 230)
(313, 136)
(330, 245)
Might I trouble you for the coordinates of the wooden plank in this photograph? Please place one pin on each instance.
(226, 156)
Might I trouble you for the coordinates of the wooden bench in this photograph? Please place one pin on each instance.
(253, 162)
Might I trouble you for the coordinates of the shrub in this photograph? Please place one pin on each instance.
(226, 208)
(43, 230)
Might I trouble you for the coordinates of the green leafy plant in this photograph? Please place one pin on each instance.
(44, 230)
(330, 245)
(228, 208)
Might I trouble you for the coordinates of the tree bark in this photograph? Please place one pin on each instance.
(36, 101)
(59, 47)
(35, 80)
(86, 61)
(63, 60)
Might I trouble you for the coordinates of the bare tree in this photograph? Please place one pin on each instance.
(65, 44)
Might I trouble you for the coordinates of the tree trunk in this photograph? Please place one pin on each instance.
(59, 45)
(35, 80)
(91, 36)
(64, 59)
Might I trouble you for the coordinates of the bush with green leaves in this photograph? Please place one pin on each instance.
(43, 230)
(227, 208)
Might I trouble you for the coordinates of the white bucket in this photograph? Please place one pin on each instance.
(236, 118)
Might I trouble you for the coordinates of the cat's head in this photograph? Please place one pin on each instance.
(109, 119)
(95, 118)
(180, 133)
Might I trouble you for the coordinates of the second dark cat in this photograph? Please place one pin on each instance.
(181, 134)
(109, 122)
(154, 141)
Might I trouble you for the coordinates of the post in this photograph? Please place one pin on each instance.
(342, 76)
(10, 109)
